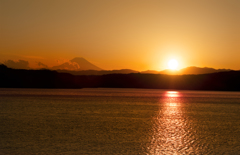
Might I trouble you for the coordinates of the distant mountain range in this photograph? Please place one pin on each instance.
(87, 68)
(80, 66)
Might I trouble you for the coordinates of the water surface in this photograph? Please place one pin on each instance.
(118, 121)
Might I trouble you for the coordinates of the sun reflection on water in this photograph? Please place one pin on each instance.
(169, 127)
(172, 94)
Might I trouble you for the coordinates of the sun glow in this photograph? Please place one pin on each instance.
(173, 64)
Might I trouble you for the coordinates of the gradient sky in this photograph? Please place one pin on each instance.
(117, 34)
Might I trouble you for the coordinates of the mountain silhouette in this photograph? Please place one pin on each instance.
(80, 66)
(77, 63)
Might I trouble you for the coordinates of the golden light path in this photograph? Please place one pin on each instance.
(170, 135)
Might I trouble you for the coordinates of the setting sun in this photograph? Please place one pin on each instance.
(173, 64)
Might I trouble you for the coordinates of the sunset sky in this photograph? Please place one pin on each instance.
(119, 34)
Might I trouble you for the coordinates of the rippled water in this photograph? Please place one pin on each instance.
(118, 121)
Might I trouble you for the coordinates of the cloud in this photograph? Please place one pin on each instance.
(42, 65)
(61, 61)
(67, 66)
(20, 64)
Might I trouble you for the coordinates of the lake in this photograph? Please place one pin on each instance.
(119, 121)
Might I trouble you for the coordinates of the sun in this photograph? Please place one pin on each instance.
(173, 64)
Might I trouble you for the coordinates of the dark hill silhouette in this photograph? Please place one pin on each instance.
(77, 63)
(20, 78)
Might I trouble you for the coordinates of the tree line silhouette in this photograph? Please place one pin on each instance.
(20, 78)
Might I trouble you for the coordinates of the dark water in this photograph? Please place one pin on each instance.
(119, 121)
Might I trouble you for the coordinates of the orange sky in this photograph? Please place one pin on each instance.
(117, 34)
